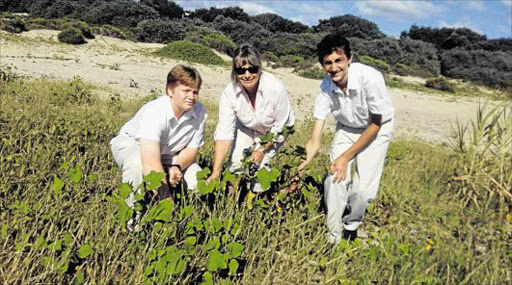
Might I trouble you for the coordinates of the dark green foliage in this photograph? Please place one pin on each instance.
(240, 31)
(18, 6)
(220, 43)
(292, 44)
(270, 56)
(275, 24)
(492, 69)
(350, 26)
(439, 83)
(71, 35)
(161, 31)
(12, 24)
(385, 49)
(189, 51)
(120, 13)
(378, 64)
(445, 38)
(166, 9)
(419, 55)
(209, 15)
(312, 72)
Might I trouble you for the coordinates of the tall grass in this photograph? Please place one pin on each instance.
(59, 186)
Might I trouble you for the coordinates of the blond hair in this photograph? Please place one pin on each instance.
(184, 75)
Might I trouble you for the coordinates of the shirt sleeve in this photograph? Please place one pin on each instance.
(198, 138)
(284, 113)
(225, 129)
(322, 106)
(148, 126)
(377, 97)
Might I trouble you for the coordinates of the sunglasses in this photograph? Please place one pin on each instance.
(242, 70)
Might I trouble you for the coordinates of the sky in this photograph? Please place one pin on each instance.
(492, 18)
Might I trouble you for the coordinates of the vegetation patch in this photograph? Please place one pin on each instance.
(191, 52)
(71, 35)
(440, 83)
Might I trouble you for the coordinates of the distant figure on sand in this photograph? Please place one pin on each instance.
(357, 97)
(164, 135)
(253, 104)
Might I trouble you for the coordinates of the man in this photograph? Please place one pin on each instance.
(164, 135)
(356, 95)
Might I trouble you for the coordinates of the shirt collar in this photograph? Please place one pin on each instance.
(187, 115)
(352, 83)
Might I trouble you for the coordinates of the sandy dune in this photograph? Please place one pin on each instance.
(127, 68)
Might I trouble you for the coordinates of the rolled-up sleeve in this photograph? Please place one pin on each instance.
(322, 106)
(284, 112)
(378, 99)
(225, 129)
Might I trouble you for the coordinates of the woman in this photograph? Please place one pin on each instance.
(357, 97)
(254, 104)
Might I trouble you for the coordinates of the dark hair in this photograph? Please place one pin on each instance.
(185, 75)
(332, 42)
(245, 54)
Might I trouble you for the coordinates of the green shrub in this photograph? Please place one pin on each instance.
(376, 63)
(189, 51)
(312, 72)
(36, 23)
(291, 60)
(109, 31)
(439, 83)
(12, 24)
(270, 56)
(71, 35)
(220, 43)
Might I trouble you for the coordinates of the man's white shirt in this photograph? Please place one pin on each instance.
(272, 111)
(366, 93)
(156, 121)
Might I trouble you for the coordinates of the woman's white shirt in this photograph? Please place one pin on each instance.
(272, 111)
(366, 93)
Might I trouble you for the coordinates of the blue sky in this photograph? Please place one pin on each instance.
(491, 18)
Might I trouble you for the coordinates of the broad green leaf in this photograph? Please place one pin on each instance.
(228, 177)
(160, 267)
(125, 190)
(56, 245)
(84, 251)
(75, 174)
(190, 240)
(148, 270)
(217, 224)
(207, 188)
(79, 278)
(57, 185)
(40, 243)
(265, 177)
(235, 249)
(175, 262)
(92, 177)
(151, 254)
(215, 261)
(164, 210)
(185, 212)
(233, 267)
(207, 279)
(213, 243)
(224, 239)
(203, 174)
(124, 213)
(67, 239)
(154, 180)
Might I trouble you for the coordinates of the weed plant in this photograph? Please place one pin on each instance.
(61, 220)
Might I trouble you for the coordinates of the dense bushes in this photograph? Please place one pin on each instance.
(189, 51)
(12, 24)
(439, 83)
(350, 26)
(275, 24)
(160, 31)
(71, 35)
(292, 44)
(220, 43)
(490, 68)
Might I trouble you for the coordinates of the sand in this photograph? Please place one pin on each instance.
(128, 68)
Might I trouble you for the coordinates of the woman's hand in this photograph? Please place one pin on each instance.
(257, 156)
(339, 167)
(212, 177)
(175, 175)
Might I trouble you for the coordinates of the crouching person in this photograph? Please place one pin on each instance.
(164, 136)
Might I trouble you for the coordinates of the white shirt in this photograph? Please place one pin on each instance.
(156, 121)
(366, 93)
(272, 111)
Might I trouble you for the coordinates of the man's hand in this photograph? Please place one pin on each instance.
(175, 175)
(212, 177)
(339, 168)
(303, 165)
(257, 156)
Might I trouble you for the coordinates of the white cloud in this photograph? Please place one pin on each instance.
(253, 8)
(476, 6)
(399, 10)
(507, 3)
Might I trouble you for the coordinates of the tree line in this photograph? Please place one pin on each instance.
(423, 51)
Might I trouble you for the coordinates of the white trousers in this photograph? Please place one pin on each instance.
(346, 201)
(244, 139)
(126, 153)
